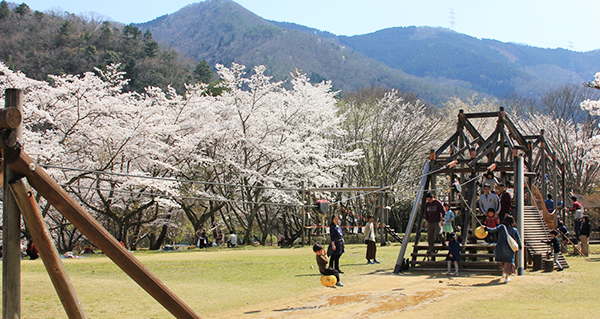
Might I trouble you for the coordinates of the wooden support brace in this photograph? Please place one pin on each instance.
(22, 164)
(41, 237)
(10, 118)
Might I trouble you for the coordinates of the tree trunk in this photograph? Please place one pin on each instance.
(161, 238)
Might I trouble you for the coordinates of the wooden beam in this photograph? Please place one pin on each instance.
(11, 230)
(482, 154)
(481, 115)
(10, 118)
(449, 142)
(514, 132)
(100, 237)
(41, 238)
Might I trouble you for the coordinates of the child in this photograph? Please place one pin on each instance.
(491, 221)
(322, 262)
(453, 254)
(448, 220)
(555, 247)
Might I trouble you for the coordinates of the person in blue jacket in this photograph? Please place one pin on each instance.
(453, 253)
(502, 252)
(337, 243)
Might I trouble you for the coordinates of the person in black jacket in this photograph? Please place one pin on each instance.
(555, 247)
(584, 235)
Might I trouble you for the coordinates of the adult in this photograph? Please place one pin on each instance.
(370, 241)
(584, 235)
(219, 238)
(232, 240)
(505, 201)
(502, 252)
(488, 200)
(202, 240)
(489, 179)
(31, 250)
(578, 210)
(434, 219)
(549, 203)
(448, 221)
(337, 243)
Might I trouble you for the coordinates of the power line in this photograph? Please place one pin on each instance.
(168, 178)
(183, 197)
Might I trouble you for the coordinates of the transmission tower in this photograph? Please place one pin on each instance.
(452, 20)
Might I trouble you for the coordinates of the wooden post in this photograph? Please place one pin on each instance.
(11, 231)
(303, 210)
(41, 238)
(544, 166)
(100, 237)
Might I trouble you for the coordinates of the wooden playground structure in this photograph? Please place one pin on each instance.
(525, 161)
(20, 171)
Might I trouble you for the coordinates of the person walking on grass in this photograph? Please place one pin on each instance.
(434, 219)
(337, 243)
(322, 262)
(555, 247)
(584, 235)
(453, 254)
(370, 241)
(502, 252)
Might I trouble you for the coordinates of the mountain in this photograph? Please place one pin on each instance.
(221, 31)
(491, 66)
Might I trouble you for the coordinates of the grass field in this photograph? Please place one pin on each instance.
(220, 280)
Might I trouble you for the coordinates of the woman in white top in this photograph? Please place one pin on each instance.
(370, 241)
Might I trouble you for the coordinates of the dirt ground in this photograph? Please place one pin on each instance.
(385, 295)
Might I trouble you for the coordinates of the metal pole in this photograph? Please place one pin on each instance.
(520, 206)
(411, 221)
(11, 231)
(554, 190)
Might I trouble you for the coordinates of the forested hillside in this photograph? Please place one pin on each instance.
(490, 66)
(221, 31)
(42, 43)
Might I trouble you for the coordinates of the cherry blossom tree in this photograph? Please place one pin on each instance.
(137, 160)
(87, 123)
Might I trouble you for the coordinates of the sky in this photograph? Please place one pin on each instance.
(569, 24)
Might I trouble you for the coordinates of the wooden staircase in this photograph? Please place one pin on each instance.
(479, 257)
(392, 233)
(536, 231)
(474, 258)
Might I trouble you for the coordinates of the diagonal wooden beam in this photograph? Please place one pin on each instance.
(41, 238)
(449, 142)
(22, 164)
(514, 132)
(480, 155)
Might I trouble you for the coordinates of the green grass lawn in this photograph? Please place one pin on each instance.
(220, 279)
(209, 281)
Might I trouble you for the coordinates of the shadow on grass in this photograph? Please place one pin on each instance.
(495, 282)
(309, 275)
(593, 260)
